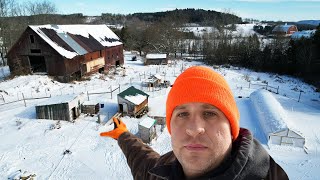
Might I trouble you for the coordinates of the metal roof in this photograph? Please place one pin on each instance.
(73, 40)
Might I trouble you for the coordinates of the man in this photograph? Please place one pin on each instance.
(203, 120)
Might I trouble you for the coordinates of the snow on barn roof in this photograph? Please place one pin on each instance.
(136, 99)
(281, 28)
(147, 122)
(73, 40)
(305, 34)
(58, 99)
(271, 114)
(156, 56)
(134, 95)
(158, 76)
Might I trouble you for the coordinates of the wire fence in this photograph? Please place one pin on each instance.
(21, 98)
(123, 82)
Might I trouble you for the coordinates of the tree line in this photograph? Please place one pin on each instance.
(167, 32)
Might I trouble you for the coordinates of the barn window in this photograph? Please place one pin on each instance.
(35, 50)
(31, 38)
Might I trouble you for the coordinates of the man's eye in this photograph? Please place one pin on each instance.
(183, 114)
(209, 114)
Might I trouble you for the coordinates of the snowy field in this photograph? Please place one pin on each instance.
(29, 144)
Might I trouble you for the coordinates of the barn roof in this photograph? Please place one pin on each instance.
(282, 28)
(73, 40)
(59, 100)
(156, 56)
(134, 95)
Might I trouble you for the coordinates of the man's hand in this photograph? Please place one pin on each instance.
(119, 128)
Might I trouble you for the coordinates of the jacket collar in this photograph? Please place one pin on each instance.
(248, 159)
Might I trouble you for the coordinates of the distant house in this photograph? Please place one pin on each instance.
(133, 102)
(147, 129)
(284, 29)
(303, 34)
(65, 51)
(66, 107)
(156, 59)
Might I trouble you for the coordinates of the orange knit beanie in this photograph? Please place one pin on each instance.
(202, 84)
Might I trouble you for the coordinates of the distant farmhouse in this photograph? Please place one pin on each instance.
(307, 34)
(284, 29)
(65, 51)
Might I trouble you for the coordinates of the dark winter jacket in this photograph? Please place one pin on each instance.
(249, 160)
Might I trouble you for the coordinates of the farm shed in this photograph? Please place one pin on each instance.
(156, 59)
(66, 107)
(65, 51)
(273, 120)
(153, 81)
(147, 129)
(132, 102)
(90, 107)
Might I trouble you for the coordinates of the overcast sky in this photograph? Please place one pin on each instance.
(258, 9)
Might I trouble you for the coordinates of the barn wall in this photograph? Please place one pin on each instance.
(20, 51)
(113, 55)
(130, 105)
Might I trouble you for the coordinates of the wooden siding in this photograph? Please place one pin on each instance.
(156, 61)
(54, 112)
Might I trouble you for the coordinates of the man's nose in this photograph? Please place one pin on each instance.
(195, 127)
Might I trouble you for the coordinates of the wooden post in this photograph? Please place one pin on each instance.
(88, 95)
(278, 90)
(249, 84)
(111, 92)
(25, 104)
(2, 98)
(299, 96)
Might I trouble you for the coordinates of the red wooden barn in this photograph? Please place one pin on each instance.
(65, 51)
(284, 29)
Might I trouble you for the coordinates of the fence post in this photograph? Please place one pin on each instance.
(299, 96)
(25, 104)
(2, 98)
(249, 84)
(88, 95)
(111, 92)
(278, 90)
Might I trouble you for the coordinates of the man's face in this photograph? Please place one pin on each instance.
(200, 137)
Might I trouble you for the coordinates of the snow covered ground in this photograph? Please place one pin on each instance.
(30, 144)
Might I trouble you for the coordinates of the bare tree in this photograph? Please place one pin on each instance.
(44, 7)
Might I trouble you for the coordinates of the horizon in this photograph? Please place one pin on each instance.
(262, 10)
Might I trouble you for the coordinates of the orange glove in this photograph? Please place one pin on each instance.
(119, 128)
